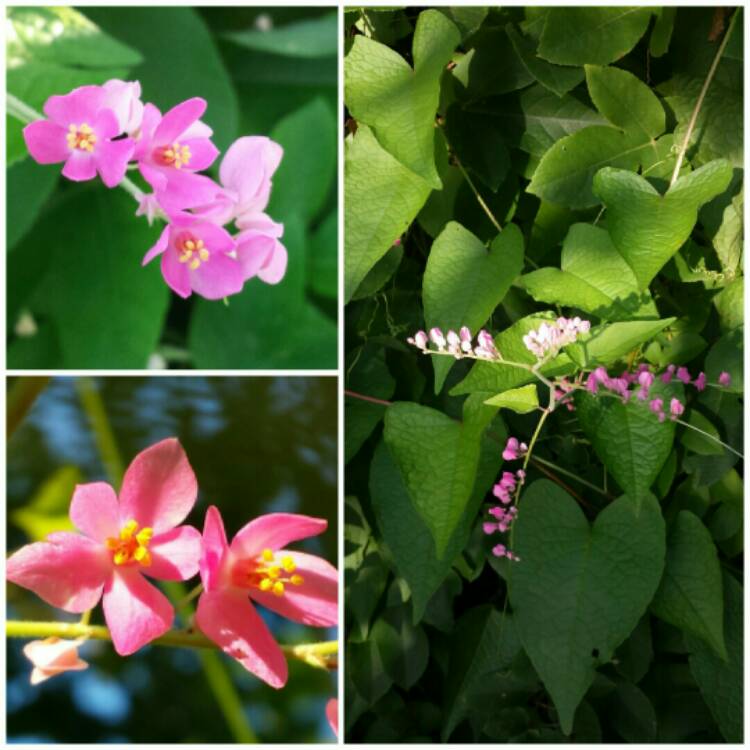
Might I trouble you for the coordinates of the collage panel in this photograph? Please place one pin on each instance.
(164, 203)
(201, 513)
(544, 319)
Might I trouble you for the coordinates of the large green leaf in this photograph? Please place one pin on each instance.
(438, 459)
(407, 534)
(576, 36)
(648, 228)
(399, 103)
(520, 400)
(690, 594)
(307, 38)
(29, 185)
(464, 281)
(251, 331)
(628, 438)
(721, 681)
(85, 255)
(382, 197)
(593, 276)
(404, 648)
(578, 591)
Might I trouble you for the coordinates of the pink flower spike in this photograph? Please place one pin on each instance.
(53, 656)
(592, 383)
(667, 374)
(332, 714)
(499, 550)
(497, 512)
(700, 382)
(122, 539)
(725, 379)
(683, 374)
(676, 408)
(510, 453)
(656, 405)
(488, 527)
(296, 585)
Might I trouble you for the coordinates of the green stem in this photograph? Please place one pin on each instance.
(570, 475)
(709, 436)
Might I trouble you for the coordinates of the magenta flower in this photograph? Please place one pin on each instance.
(676, 408)
(80, 131)
(667, 374)
(195, 257)
(295, 585)
(725, 379)
(124, 99)
(261, 254)
(683, 374)
(120, 541)
(700, 382)
(171, 148)
(514, 449)
(51, 657)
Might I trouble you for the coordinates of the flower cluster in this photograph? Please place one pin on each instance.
(549, 338)
(457, 344)
(102, 130)
(127, 539)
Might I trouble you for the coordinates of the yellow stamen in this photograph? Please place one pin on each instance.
(132, 545)
(265, 584)
(278, 588)
(288, 564)
(267, 555)
(195, 264)
(297, 580)
(194, 252)
(80, 137)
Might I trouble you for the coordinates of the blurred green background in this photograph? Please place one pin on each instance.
(257, 445)
(77, 295)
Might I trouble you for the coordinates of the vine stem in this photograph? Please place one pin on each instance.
(26, 114)
(571, 475)
(701, 97)
(322, 655)
(369, 399)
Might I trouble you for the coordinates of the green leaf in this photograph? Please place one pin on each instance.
(364, 592)
(648, 228)
(728, 239)
(306, 175)
(628, 438)
(467, 19)
(107, 310)
(251, 333)
(720, 681)
(487, 643)
(577, 36)
(729, 303)
(379, 275)
(308, 38)
(634, 657)
(29, 186)
(438, 459)
(661, 34)
(579, 591)
(404, 649)
(520, 400)
(690, 594)
(632, 713)
(593, 277)
(382, 91)
(557, 79)
(323, 277)
(695, 441)
(382, 199)
(464, 282)
(726, 356)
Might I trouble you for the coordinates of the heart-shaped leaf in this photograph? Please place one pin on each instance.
(520, 400)
(464, 282)
(649, 228)
(578, 591)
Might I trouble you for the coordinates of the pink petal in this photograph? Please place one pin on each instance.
(261, 223)
(215, 547)
(80, 166)
(314, 602)
(248, 167)
(183, 189)
(112, 159)
(136, 612)
(198, 129)
(67, 571)
(105, 125)
(159, 488)
(175, 554)
(230, 621)
(217, 240)
(176, 274)
(161, 245)
(154, 176)
(78, 107)
(46, 142)
(151, 118)
(94, 511)
(178, 120)
(203, 153)
(219, 277)
(274, 269)
(332, 714)
(254, 250)
(274, 531)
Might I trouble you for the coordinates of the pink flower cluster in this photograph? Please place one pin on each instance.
(458, 344)
(101, 130)
(549, 338)
(127, 539)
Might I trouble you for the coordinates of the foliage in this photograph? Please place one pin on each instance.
(78, 296)
(505, 167)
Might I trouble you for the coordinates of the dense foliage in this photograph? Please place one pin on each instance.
(503, 168)
(77, 294)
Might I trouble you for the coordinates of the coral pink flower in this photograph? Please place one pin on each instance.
(296, 585)
(195, 257)
(332, 714)
(171, 148)
(80, 132)
(121, 540)
(261, 254)
(53, 656)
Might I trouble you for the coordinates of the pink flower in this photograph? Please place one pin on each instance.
(656, 405)
(171, 148)
(295, 585)
(700, 382)
(676, 408)
(195, 257)
(80, 131)
(667, 374)
(683, 374)
(51, 657)
(120, 541)
(124, 99)
(261, 254)
(332, 714)
(725, 379)
(489, 527)
(514, 449)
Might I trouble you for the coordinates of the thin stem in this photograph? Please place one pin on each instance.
(189, 597)
(369, 399)
(709, 436)
(701, 97)
(320, 655)
(571, 475)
